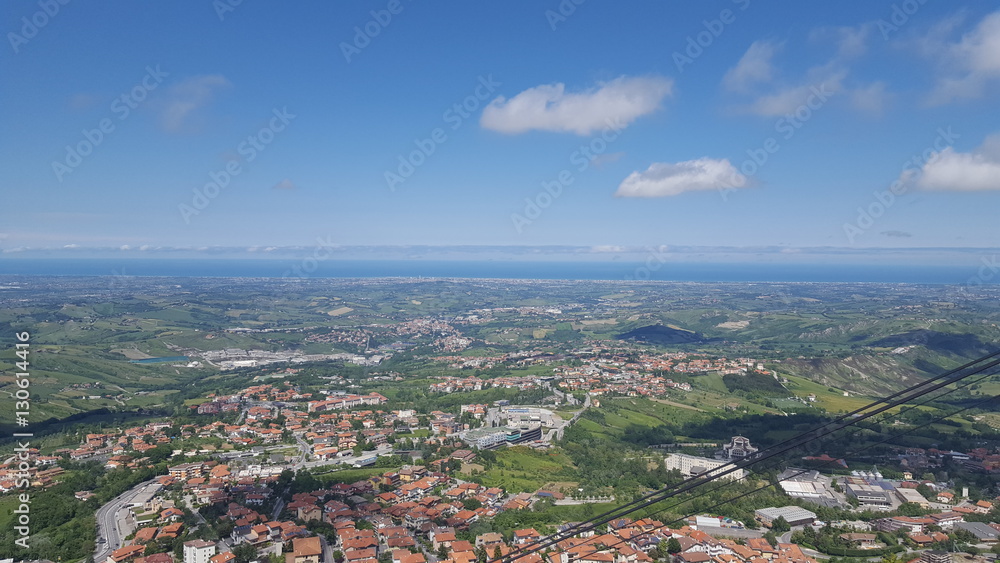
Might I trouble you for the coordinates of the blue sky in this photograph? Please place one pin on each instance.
(313, 106)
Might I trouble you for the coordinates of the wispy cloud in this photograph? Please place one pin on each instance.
(896, 234)
(285, 184)
(851, 41)
(788, 99)
(550, 107)
(872, 98)
(664, 179)
(774, 95)
(753, 67)
(967, 65)
(188, 96)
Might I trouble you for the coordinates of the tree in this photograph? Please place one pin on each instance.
(926, 491)
(673, 546)
(442, 551)
(779, 525)
(245, 553)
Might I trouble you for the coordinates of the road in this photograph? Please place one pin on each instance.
(201, 519)
(112, 526)
(327, 550)
(306, 449)
(558, 433)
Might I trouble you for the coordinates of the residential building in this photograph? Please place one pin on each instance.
(198, 551)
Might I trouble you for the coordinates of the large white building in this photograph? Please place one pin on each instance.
(690, 466)
(198, 551)
(794, 515)
(738, 448)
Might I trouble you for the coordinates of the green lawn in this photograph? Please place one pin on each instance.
(520, 469)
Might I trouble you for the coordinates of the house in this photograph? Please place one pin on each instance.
(923, 540)
(310, 513)
(224, 557)
(171, 514)
(355, 555)
(442, 538)
(306, 550)
(145, 535)
(127, 553)
(170, 531)
(945, 497)
(489, 540)
(694, 557)
(526, 536)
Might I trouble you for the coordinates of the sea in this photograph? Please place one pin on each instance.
(499, 269)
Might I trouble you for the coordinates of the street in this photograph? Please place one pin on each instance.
(112, 522)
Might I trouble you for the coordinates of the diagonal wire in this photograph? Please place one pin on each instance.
(622, 541)
(892, 401)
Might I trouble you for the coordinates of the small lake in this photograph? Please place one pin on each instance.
(160, 360)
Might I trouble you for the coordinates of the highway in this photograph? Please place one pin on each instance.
(112, 524)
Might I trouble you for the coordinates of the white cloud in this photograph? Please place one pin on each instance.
(954, 171)
(285, 184)
(968, 64)
(550, 107)
(754, 67)
(188, 96)
(663, 179)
